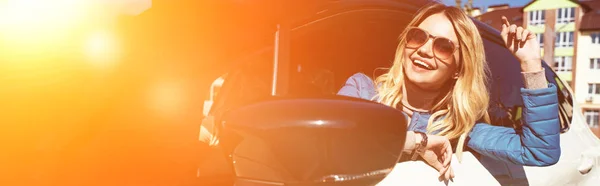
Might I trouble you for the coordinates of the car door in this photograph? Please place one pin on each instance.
(327, 49)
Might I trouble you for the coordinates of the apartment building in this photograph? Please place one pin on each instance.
(555, 23)
(494, 13)
(588, 63)
(569, 33)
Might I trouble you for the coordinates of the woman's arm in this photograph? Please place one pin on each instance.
(537, 142)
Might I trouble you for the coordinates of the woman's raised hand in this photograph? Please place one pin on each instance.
(523, 45)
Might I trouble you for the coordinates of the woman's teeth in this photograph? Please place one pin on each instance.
(423, 64)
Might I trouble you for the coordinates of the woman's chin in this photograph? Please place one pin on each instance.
(421, 83)
(424, 83)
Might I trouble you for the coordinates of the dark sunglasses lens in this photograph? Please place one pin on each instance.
(443, 48)
(415, 38)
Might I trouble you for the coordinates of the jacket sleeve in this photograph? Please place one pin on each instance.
(358, 85)
(536, 143)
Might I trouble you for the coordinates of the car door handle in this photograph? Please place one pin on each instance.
(589, 158)
(586, 165)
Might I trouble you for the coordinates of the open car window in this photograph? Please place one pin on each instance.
(325, 52)
(359, 41)
(248, 82)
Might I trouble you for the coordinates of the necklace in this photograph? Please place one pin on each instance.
(411, 108)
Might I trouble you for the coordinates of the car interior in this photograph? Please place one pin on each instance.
(323, 54)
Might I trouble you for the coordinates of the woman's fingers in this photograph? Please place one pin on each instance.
(505, 21)
(447, 156)
(513, 35)
(510, 38)
(519, 33)
(440, 167)
(439, 155)
(444, 174)
(449, 173)
(437, 165)
(531, 35)
(525, 35)
(504, 32)
(447, 161)
(512, 29)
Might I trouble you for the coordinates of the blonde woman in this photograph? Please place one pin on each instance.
(438, 78)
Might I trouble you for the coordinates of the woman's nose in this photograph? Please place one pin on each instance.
(426, 50)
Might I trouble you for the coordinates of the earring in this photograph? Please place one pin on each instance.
(455, 75)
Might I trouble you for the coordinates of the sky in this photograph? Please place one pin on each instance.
(483, 4)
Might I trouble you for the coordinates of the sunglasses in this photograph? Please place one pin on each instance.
(443, 48)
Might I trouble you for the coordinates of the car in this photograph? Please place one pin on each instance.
(307, 52)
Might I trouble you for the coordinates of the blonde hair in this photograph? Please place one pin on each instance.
(466, 102)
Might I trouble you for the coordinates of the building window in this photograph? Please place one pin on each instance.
(593, 88)
(592, 117)
(594, 63)
(565, 15)
(595, 38)
(563, 63)
(540, 38)
(564, 39)
(537, 17)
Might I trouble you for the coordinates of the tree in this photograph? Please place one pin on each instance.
(458, 3)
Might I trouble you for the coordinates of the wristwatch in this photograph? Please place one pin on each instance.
(419, 147)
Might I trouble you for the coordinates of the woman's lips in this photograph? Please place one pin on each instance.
(419, 65)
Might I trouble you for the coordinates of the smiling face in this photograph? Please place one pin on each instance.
(421, 66)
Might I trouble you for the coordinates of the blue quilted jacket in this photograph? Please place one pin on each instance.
(537, 143)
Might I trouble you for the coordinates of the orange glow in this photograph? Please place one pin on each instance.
(102, 49)
(84, 95)
(167, 98)
(25, 23)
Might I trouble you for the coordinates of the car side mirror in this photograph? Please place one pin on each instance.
(312, 141)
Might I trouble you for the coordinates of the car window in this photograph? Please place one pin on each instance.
(249, 81)
(361, 41)
(323, 54)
